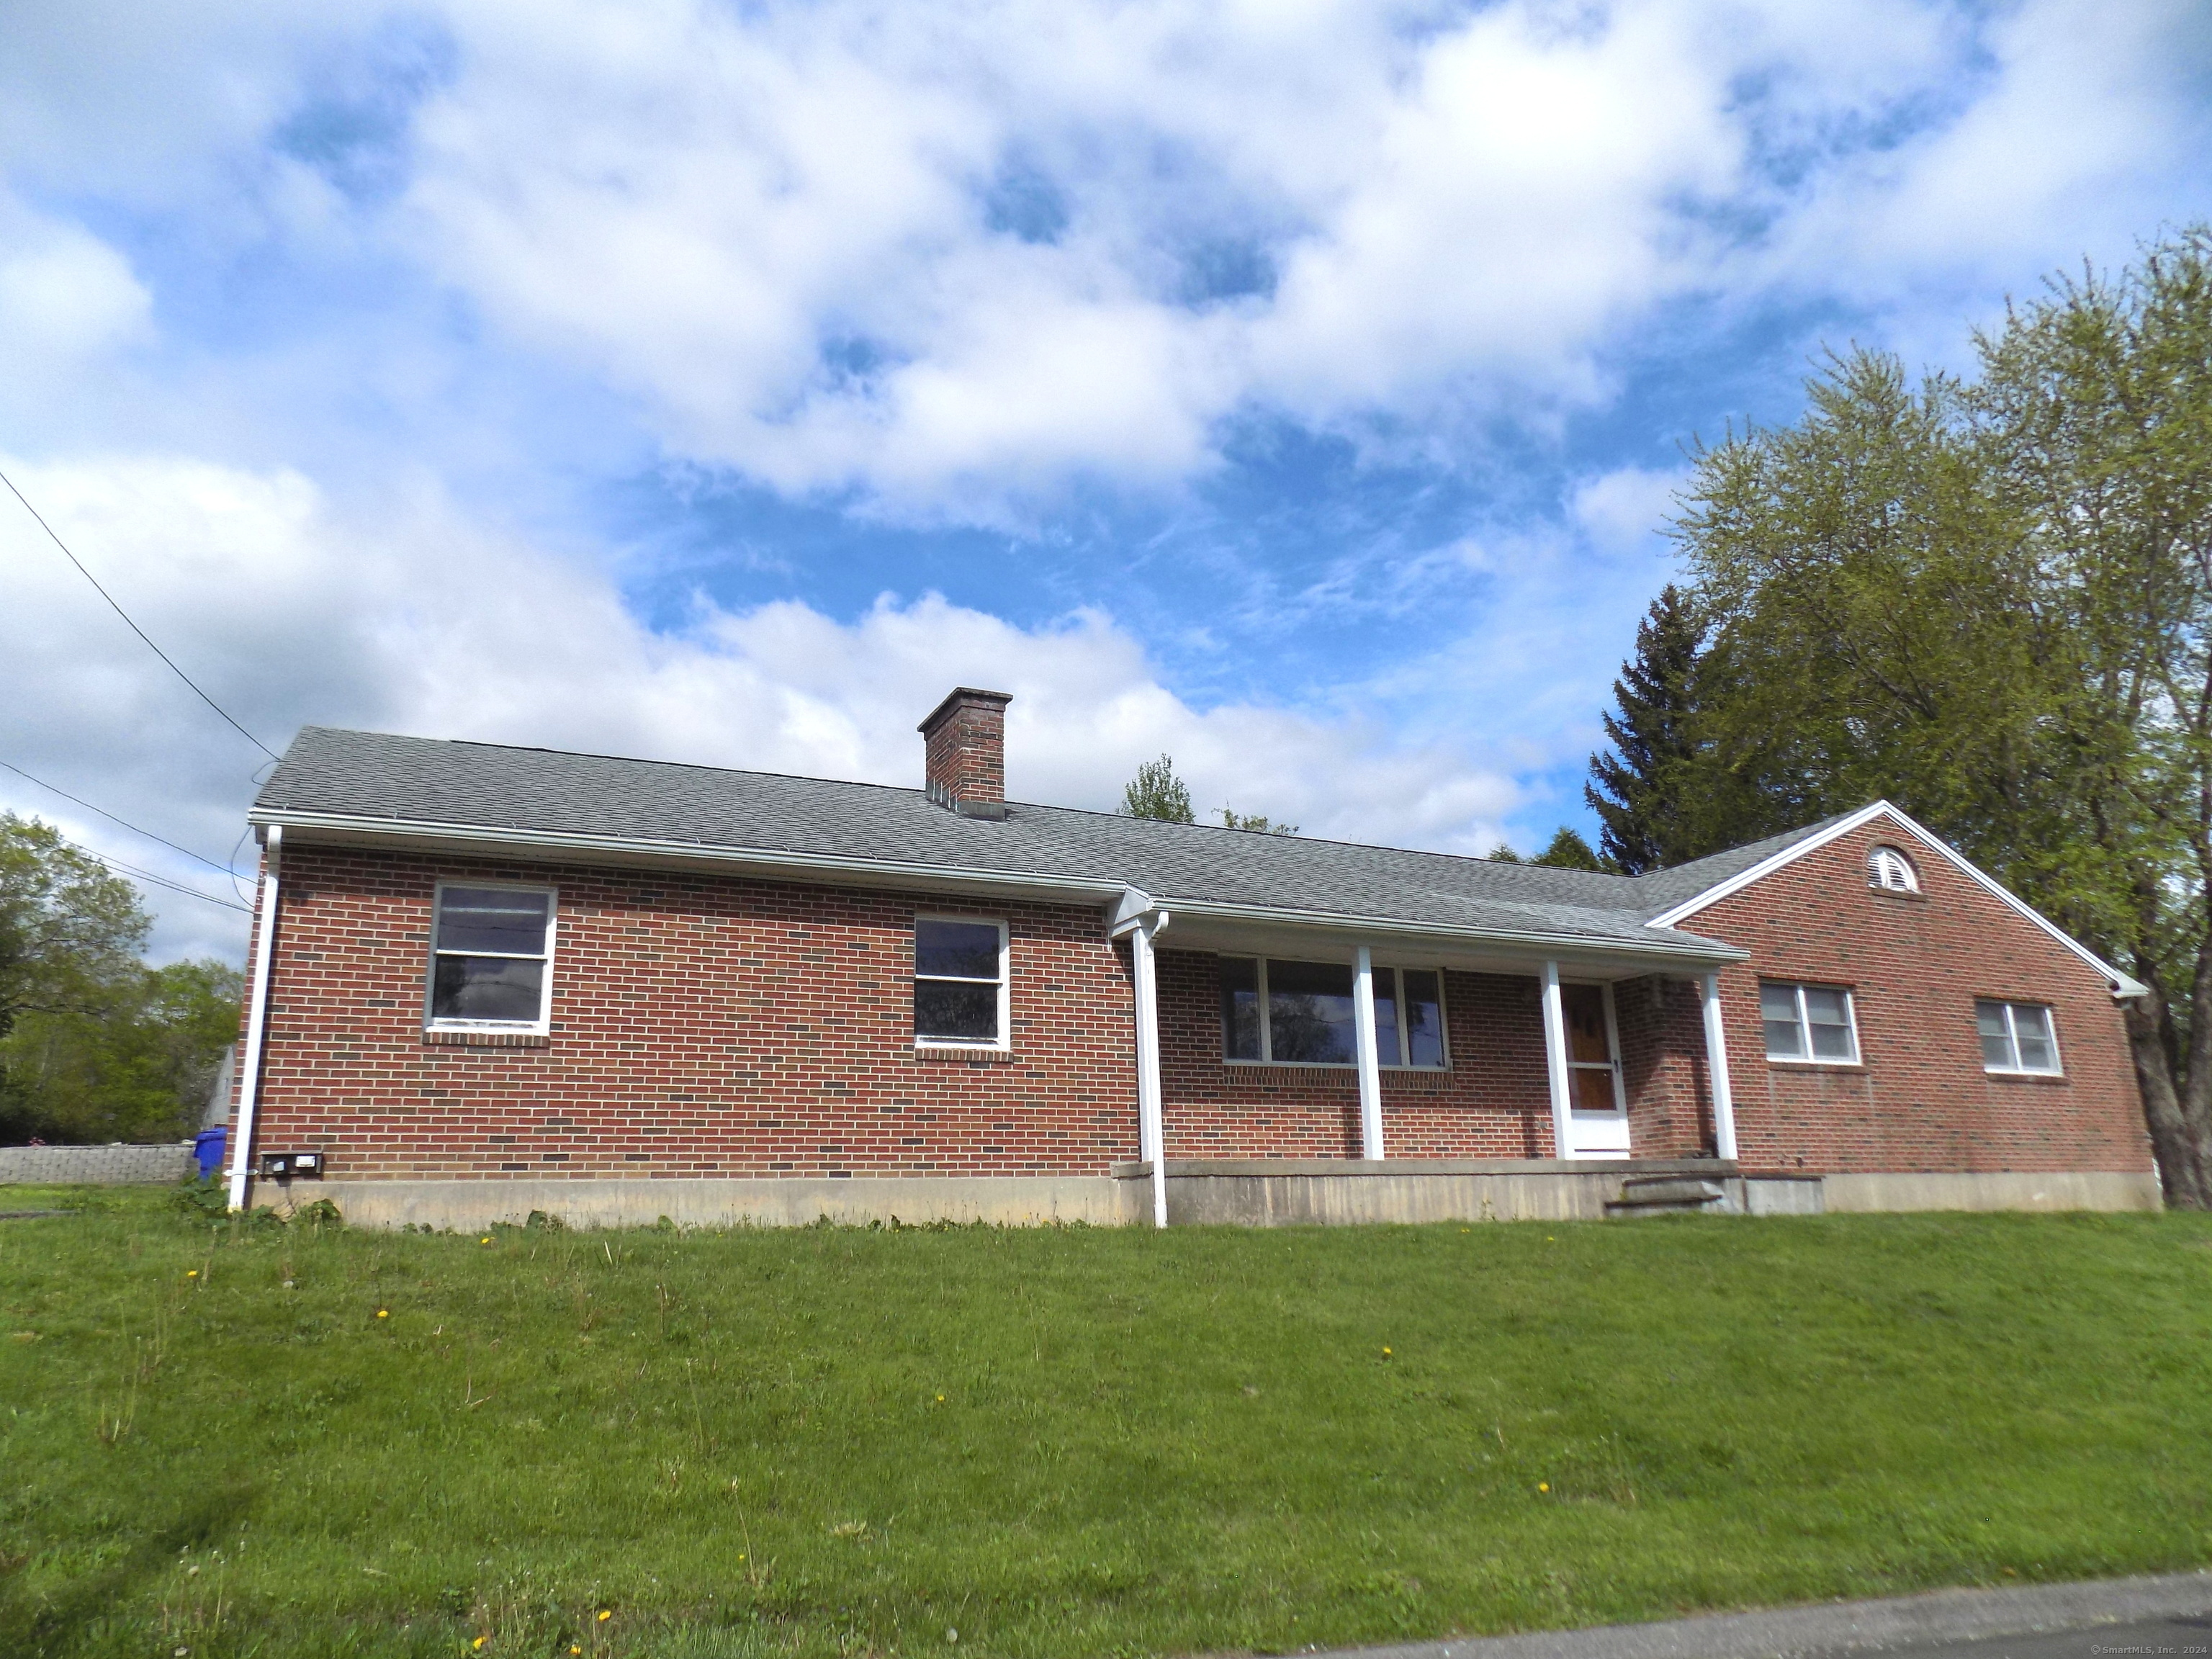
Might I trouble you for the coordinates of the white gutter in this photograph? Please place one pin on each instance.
(256, 1016)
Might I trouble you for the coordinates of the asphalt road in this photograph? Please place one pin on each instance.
(2154, 1639)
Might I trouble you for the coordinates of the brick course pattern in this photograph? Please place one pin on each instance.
(700, 1027)
(964, 747)
(1920, 1100)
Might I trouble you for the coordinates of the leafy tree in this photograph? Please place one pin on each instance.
(69, 929)
(1157, 793)
(137, 1067)
(93, 1044)
(1634, 788)
(1233, 819)
(1567, 851)
(1991, 601)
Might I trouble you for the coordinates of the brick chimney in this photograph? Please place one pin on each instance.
(964, 742)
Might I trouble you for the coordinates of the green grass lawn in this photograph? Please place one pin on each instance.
(318, 1441)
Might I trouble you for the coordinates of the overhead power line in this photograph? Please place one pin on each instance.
(133, 626)
(135, 873)
(222, 869)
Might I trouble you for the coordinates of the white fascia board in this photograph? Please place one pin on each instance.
(770, 863)
(2123, 985)
(1684, 947)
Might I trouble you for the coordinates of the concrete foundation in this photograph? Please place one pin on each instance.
(1255, 1192)
(1316, 1192)
(1009, 1200)
(1992, 1190)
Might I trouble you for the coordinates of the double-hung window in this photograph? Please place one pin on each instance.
(1811, 1023)
(2017, 1037)
(491, 958)
(1301, 1014)
(959, 983)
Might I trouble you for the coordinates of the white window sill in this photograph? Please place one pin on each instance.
(946, 1046)
(1818, 1065)
(491, 1028)
(2022, 1071)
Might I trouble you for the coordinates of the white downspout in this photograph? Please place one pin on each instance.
(1364, 1047)
(1152, 1136)
(1555, 1064)
(256, 1016)
(1716, 1067)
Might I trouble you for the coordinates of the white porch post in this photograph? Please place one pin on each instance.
(1152, 1140)
(1555, 1064)
(1370, 1063)
(1716, 1067)
(257, 1018)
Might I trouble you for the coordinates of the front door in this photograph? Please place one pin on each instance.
(1598, 1104)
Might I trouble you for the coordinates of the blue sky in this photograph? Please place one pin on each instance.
(1299, 389)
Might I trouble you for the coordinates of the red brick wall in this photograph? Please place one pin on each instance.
(1493, 1102)
(700, 1026)
(720, 1026)
(1663, 1059)
(1915, 963)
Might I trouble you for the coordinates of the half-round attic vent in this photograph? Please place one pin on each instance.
(1889, 869)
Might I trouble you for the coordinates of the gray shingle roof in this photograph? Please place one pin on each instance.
(365, 775)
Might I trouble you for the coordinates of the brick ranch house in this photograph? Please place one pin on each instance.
(487, 980)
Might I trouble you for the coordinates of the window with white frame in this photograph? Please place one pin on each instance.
(1811, 1023)
(1891, 870)
(2017, 1037)
(959, 982)
(491, 957)
(1301, 1014)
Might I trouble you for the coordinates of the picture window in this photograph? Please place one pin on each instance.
(1301, 1014)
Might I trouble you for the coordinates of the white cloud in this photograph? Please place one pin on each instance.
(293, 608)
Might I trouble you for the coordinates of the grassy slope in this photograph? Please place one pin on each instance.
(1069, 1442)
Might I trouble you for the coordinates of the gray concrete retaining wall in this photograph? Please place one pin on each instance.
(95, 1166)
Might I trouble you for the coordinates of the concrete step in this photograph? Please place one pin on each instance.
(1666, 1195)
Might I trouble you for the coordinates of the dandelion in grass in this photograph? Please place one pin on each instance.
(384, 1313)
(1543, 1486)
(1386, 1353)
(192, 1272)
(605, 1613)
(486, 1240)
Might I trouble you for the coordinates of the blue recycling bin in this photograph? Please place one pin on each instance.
(207, 1149)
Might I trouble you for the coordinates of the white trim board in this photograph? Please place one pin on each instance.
(2123, 985)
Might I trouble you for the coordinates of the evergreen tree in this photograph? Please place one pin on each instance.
(1567, 851)
(1633, 788)
(1157, 793)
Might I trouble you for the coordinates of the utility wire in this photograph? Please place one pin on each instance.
(133, 626)
(132, 871)
(222, 869)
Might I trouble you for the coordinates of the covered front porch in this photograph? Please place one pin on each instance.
(1316, 1068)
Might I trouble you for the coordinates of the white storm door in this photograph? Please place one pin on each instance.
(1598, 1118)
